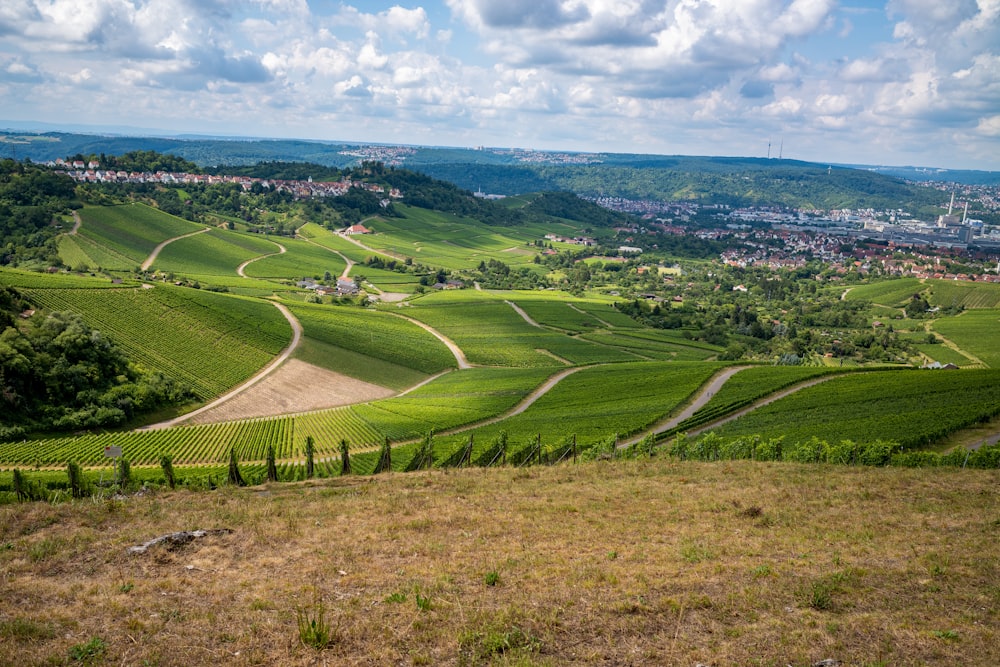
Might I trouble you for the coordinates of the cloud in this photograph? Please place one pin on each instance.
(655, 75)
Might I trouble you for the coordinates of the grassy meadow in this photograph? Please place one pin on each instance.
(651, 562)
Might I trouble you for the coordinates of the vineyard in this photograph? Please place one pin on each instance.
(132, 230)
(974, 331)
(951, 294)
(302, 260)
(455, 399)
(208, 341)
(215, 253)
(745, 387)
(444, 240)
(914, 408)
(374, 334)
(599, 402)
(888, 293)
(475, 321)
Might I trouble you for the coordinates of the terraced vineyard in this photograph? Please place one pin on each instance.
(216, 252)
(974, 331)
(132, 230)
(476, 320)
(302, 260)
(914, 408)
(208, 341)
(375, 334)
(599, 402)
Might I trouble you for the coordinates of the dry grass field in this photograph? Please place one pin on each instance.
(654, 562)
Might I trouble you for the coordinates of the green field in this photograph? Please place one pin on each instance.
(444, 240)
(975, 332)
(375, 334)
(132, 230)
(914, 408)
(302, 260)
(208, 341)
(887, 293)
(476, 320)
(216, 252)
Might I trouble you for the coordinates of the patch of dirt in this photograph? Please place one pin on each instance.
(392, 297)
(295, 387)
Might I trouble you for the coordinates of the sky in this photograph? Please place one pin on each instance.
(903, 82)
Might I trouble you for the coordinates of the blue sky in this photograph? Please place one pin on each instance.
(903, 82)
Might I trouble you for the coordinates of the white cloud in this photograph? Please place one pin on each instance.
(625, 74)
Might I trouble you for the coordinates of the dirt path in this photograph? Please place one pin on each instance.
(347, 260)
(156, 251)
(703, 396)
(761, 403)
(267, 370)
(76, 224)
(386, 253)
(951, 344)
(528, 401)
(520, 311)
(455, 349)
(583, 312)
(281, 251)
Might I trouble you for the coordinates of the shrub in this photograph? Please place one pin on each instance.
(167, 465)
(272, 468)
(77, 483)
(345, 457)
(235, 478)
(310, 454)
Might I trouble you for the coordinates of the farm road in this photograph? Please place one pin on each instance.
(520, 311)
(267, 370)
(528, 401)
(240, 269)
(156, 251)
(455, 349)
(703, 396)
(350, 263)
(384, 253)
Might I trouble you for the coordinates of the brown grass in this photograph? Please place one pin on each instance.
(627, 563)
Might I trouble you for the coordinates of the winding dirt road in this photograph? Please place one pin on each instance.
(156, 251)
(281, 251)
(455, 349)
(520, 311)
(759, 404)
(703, 396)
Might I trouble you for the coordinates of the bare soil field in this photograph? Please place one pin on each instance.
(645, 562)
(295, 387)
